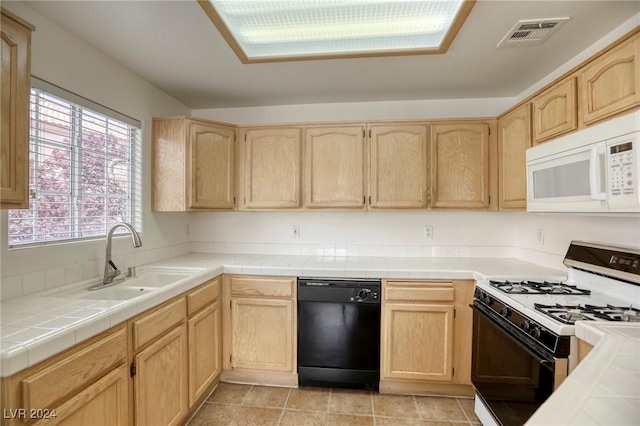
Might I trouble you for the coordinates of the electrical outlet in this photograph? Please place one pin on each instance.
(428, 232)
(541, 236)
(295, 231)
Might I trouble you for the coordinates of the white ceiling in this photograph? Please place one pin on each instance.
(173, 45)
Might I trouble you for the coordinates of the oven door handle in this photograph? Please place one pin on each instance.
(541, 359)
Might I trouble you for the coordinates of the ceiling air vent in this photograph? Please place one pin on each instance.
(531, 32)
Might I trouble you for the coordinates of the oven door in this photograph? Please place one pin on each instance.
(511, 378)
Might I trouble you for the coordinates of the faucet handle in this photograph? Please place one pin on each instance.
(131, 271)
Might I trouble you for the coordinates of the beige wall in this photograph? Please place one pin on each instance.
(67, 61)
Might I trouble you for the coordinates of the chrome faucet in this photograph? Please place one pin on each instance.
(111, 271)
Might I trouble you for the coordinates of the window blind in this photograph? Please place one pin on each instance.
(84, 170)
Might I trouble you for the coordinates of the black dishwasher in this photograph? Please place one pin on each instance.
(339, 333)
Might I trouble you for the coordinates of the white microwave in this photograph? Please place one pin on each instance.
(592, 170)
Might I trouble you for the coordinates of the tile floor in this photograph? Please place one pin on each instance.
(232, 404)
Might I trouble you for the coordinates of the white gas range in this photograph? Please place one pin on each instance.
(523, 339)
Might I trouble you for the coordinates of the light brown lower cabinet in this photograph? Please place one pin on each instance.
(205, 350)
(104, 403)
(584, 349)
(429, 325)
(150, 370)
(260, 330)
(160, 383)
(426, 337)
(86, 380)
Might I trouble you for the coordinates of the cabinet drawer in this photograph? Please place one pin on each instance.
(419, 292)
(71, 374)
(203, 296)
(262, 286)
(156, 323)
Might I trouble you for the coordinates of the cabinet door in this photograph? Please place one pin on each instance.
(15, 48)
(105, 403)
(514, 137)
(334, 167)
(205, 350)
(272, 168)
(398, 167)
(417, 341)
(160, 384)
(611, 83)
(262, 334)
(212, 167)
(460, 165)
(555, 111)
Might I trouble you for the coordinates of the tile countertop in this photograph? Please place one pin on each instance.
(605, 387)
(37, 326)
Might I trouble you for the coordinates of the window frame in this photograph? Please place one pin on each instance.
(79, 107)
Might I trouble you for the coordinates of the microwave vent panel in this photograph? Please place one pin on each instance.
(531, 32)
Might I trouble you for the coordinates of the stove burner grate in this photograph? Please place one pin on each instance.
(534, 287)
(571, 314)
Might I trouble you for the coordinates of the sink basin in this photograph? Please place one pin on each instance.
(154, 279)
(149, 279)
(114, 293)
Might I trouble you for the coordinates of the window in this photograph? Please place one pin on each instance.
(84, 166)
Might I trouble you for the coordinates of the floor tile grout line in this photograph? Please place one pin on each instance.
(469, 419)
(463, 410)
(284, 407)
(415, 404)
(246, 394)
(373, 408)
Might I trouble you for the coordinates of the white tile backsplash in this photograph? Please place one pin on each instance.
(33, 282)
(56, 277)
(362, 234)
(73, 273)
(10, 287)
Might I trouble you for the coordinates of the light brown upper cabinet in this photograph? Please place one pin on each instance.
(398, 166)
(193, 165)
(270, 167)
(611, 83)
(15, 50)
(334, 167)
(460, 165)
(555, 111)
(514, 137)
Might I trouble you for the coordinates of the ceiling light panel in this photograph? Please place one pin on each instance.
(307, 28)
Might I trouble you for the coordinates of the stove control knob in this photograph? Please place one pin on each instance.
(526, 325)
(535, 332)
(505, 312)
(485, 298)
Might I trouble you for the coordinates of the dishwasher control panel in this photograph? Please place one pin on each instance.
(335, 290)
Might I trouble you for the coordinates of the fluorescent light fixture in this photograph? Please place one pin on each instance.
(269, 31)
